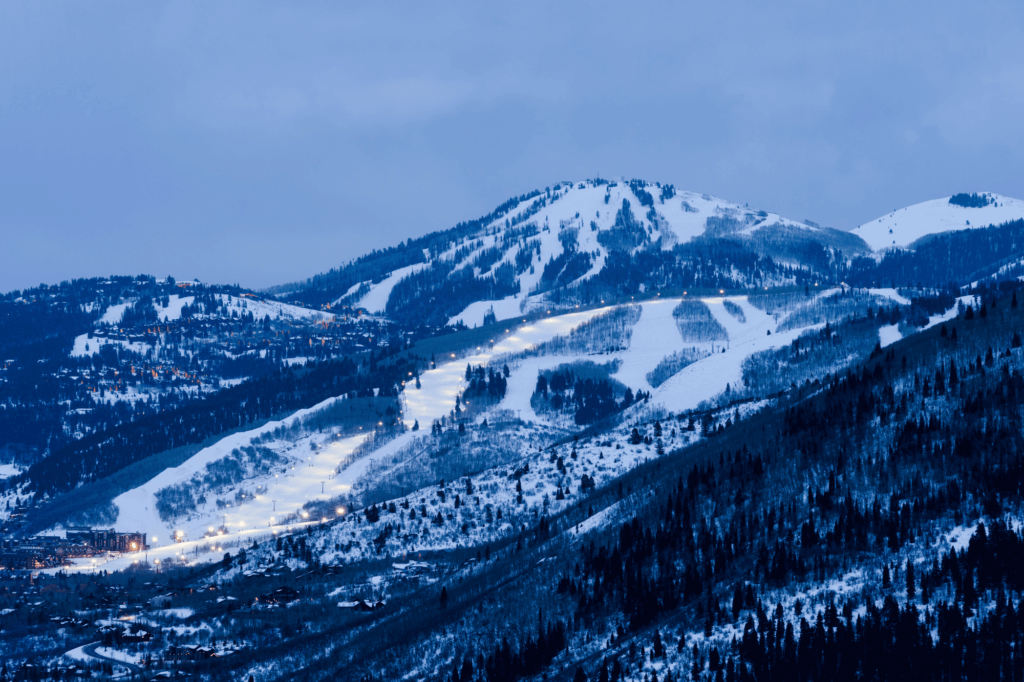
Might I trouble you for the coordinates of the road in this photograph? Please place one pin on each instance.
(90, 649)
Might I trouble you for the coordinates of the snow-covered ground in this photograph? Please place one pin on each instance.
(318, 466)
(906, 225)
(311, 473)
(710, 376)
(273, 309)
(174, 305)
(114, 313)
(582, 207)
(8, 470)
(889, 334)
(376, 299)
(84, 345)
(286, 492)
(890, 294)
(442, 385)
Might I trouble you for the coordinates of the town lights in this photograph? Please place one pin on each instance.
(340, 510)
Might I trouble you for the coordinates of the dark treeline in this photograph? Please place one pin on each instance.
(102, 453)
(375, 266)
(954, 412)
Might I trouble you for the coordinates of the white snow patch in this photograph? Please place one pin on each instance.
(889, 334)
(890, 294)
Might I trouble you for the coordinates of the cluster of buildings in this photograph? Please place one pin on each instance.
(51, 551)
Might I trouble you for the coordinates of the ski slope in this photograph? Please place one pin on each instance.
(582, 207)
(312, 461)
(903, 227)
(376, 300)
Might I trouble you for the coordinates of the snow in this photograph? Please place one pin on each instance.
(890, 294)
(311, 473)
(181, 614)
(889, 334)
(376, 300)
(351, 290)
(138, 510)
(709, 377)
(504, 309)
(654, 337)
(600, 520)
(118, 655)
(114, 313)
(174, 305)
(575, 207)
(440, 386)
(263, 308)
(84, 345)
(8, 470)
(78, 654)
(905, 226)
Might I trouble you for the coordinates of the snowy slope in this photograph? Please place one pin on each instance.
(174, 305)
(377, 298)
(274, 309)
(583, 207)
(906, 225)
(311, 472)
(320, 466)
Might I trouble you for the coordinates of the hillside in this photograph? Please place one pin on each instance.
(575, 243)
(900, 229)
(687, 439)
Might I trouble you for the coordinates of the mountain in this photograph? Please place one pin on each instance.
(902, 228)
(576, 243)
(607, 431)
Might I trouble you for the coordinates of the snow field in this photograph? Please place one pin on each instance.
(85, 346)
(138, 510)
(376, 299)
(440, 386)
(174, 305)
(313, 471)
(906, 225)
(889, 334)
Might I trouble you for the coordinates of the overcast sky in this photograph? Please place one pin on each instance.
(261, 143)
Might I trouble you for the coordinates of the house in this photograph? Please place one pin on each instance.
(135, 634)
(363, 605)
(282, 595)
(189, 652)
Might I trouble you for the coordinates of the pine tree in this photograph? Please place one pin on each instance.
(911, 582)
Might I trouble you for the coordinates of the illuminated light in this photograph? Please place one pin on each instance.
(340, 510)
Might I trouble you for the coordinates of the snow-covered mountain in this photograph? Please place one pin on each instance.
(577, 243)
(647, 416)
(903, 227)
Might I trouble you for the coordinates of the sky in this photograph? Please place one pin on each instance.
(260, 143)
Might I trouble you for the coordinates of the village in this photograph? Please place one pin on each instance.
(179, 621)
